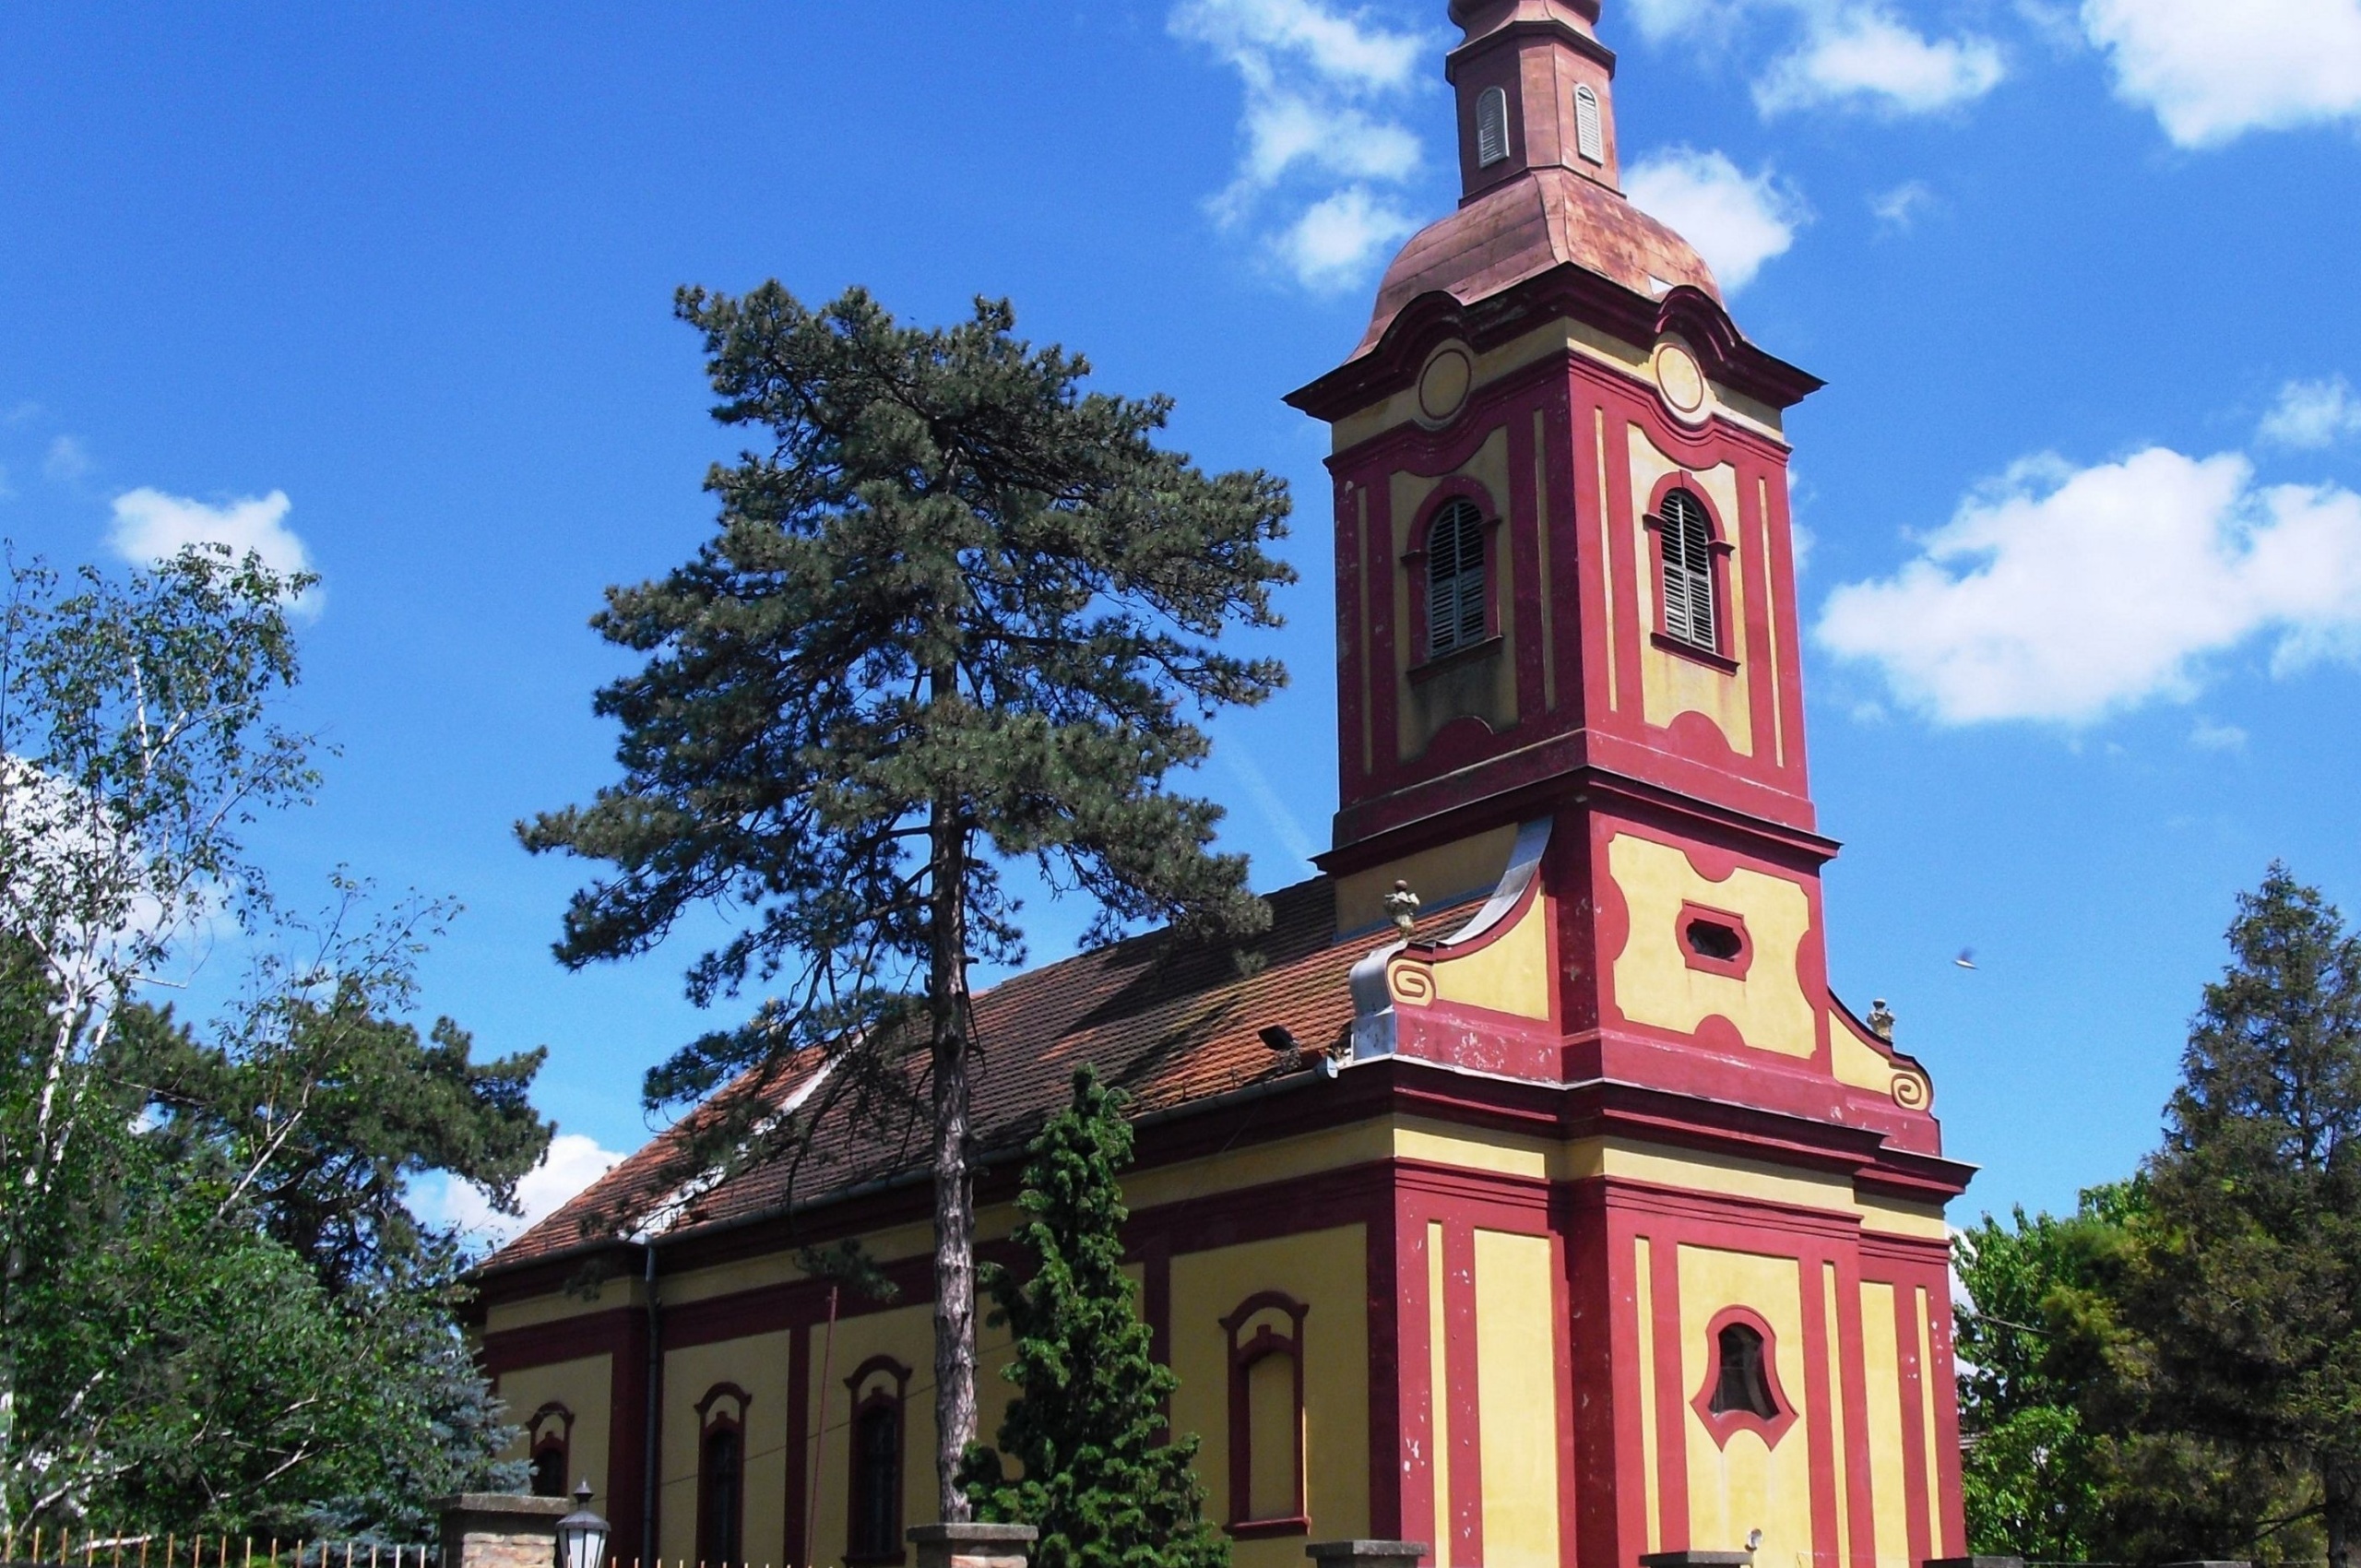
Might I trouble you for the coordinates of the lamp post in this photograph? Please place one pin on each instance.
(581, 1535)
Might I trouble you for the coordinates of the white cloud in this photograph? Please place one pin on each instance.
(1736, 222)
(151, 526)
(573, 1162)
(2208, 736)
(1318, 127)
(2212, 70)
(2312, 413)
(68, 459)
(1344, 48)
(2065, 595)
(1900, 207)
(1864, 57)
(1839, 53)
(1333, 244)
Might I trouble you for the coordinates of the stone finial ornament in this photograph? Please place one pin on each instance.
(1880, 1020)
(1403, 906)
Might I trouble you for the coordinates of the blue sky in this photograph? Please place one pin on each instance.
(386, 291)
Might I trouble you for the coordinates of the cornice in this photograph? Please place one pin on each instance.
(1566, 290)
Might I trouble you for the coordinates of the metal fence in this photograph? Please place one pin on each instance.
(102, 1548)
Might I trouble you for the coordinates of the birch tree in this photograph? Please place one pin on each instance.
(135, 748)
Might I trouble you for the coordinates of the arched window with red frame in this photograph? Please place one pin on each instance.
(721, 1475)
(874, 1454)
(1266, 1417)
(549, 1443)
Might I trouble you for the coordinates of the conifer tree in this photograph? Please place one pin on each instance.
(2223, 1359)
(1100, 1481)
(960, 613)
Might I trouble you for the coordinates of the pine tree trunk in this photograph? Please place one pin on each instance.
(2339, 1504)
(955, 1217)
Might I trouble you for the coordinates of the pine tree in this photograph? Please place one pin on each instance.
(960, 614)
(2230, 1352)
(1099, 1481)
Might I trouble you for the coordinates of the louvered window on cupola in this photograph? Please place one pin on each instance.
(1491, 126)
(1688, 542)
(1455, 579)
(1590, 136)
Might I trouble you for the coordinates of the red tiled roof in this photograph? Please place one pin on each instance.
(1169, 1021)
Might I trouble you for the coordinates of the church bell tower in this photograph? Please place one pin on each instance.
(1572, 772)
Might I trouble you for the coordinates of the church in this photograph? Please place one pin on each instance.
(1535, 1199)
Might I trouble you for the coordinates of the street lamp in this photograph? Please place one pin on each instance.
(581, 1535)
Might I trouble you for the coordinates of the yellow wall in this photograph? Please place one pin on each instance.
(1509, 974)
(1437, 875)
(582, 1387)
(906, 1334)
(1327, 1269)
(1889, 1483)
(1516, 1360)
(1927, 1411)
(758, 1365)
(1654, 985)
(1746, 1485)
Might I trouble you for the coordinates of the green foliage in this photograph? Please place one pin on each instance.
(216, 1312)
(2029, 1477)
(950, 583)
(1097, 1478)
(321, 1109)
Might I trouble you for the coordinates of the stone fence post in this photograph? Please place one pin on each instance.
(498, 1529)
(971, 1545)
(1366, 1553)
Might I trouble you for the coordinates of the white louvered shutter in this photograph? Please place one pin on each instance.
(1590, 138)
(1491, 126)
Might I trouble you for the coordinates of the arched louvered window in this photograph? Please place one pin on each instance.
(1688, 540)
(1455, 579)
(1491, 126)
(1590, 136)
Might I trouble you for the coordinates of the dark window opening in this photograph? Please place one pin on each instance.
(877, 1482)
(1688, 538)
(1741, 1384)
(1455, 579)
(1711, 939)
(548, 1469)
(718, 1540)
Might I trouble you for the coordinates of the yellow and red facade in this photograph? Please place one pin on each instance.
(1464, 1263)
